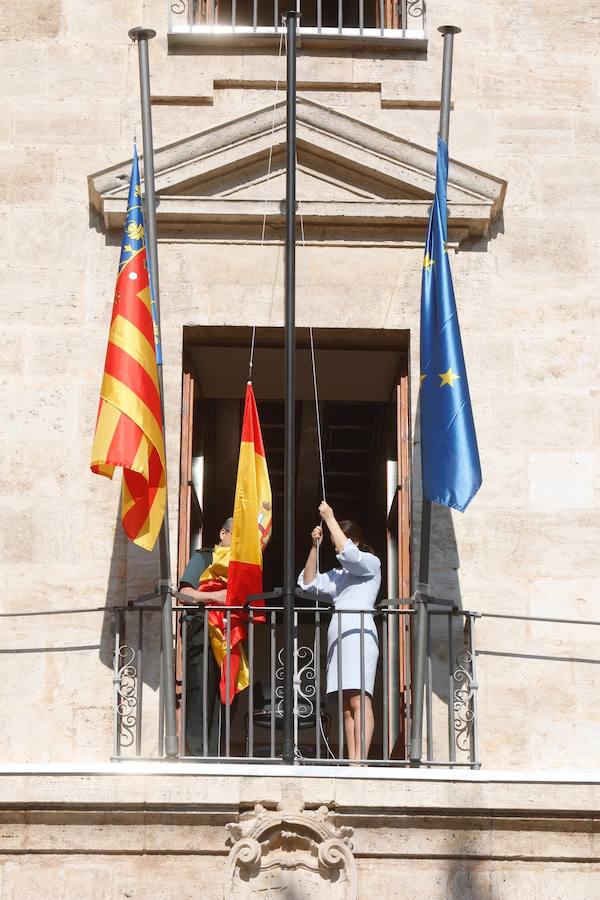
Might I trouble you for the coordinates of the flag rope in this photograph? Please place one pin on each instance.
(303, 243)
(317, 411)
(264, 220)
(251, 363)
(319, 439)
(314, 379)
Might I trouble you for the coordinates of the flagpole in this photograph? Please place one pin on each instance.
(423, 593)
(141, 36)
(289, 580)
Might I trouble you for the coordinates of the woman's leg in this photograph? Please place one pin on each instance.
(349, 725)
(354, 700)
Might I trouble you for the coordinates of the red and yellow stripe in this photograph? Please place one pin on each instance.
(129, 430)
(252, 521)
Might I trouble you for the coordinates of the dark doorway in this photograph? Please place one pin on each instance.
(363, 404)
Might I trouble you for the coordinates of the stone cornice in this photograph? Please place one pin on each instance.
(391, 818)
(197, 179)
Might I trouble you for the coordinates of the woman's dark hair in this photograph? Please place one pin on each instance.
(355, 533)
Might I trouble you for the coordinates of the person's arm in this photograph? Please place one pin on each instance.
(357, 562)
(311, 580)
(206, 598)
(352, 559)
(198, 562)
(337, 535)
(310, 567)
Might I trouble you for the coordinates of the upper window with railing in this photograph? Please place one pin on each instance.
(387, 22)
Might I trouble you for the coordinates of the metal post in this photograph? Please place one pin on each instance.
(317, 658)
(273, 679)
(340, 688)
(416, 734)
(451, 734)
(185, 619)
(448, 32)
(140, 684)
(118, 631)
(475, 764)
(385, 717)
(422, 596)
(289, 580)
(142, 35)
(228, 685)
(206, 650)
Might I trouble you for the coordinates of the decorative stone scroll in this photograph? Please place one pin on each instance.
(290, 854)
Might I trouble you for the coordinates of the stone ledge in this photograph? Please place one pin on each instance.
(152, 809)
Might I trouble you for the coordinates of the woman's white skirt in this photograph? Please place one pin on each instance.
(350, 657)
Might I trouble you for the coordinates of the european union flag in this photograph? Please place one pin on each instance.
(450, 458)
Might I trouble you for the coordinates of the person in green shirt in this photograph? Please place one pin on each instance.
(200, 561)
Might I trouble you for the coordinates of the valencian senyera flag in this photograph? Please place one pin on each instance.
(252, 520)
(129, 427)
(451, 468)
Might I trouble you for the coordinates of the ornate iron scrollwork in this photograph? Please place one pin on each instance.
(305, 680)
(463, 707)
(279, 689)
(416, 8)
(304, 683)
(178, 7)
(126, 684)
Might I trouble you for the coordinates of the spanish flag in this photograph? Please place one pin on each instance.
(129, 427)
(252, 520)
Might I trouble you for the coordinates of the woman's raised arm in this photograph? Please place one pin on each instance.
(337, 535)
(311, 580)
(310, 567)
(357, 562)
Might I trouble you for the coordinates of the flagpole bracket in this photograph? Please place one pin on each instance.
(141, 34)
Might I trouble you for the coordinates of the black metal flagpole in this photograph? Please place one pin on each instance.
(424, 591)
(141, 36)
(289, 580)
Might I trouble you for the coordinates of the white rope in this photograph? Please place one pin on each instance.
(319, 439)
(251, 363)
(264, 221)
(317, 411)
(302, 234)
(315, 388)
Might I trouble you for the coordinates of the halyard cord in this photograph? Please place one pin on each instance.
(264, 220)
(312, 345)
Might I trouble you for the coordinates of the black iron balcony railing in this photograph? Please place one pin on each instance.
(251, 728)
(379, 21)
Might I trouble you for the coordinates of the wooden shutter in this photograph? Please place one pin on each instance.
(399, 527)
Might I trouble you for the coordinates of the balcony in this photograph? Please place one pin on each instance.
(323, 23)
(250, 730)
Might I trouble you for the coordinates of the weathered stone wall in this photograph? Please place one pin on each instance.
(161, 836)
(526, 109)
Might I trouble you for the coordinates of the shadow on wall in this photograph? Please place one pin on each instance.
(443, 576)
(444, 561)
(133, 572)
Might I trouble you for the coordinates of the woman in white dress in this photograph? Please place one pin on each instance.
(353, 586)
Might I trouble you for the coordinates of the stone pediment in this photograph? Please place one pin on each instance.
(355, 182)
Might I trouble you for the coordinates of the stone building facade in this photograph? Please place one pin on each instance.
(524, 138)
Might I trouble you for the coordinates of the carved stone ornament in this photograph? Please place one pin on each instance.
(290, 854)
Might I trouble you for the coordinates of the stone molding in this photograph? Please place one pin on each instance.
(359, 183)
(407, 819)
(290, 853)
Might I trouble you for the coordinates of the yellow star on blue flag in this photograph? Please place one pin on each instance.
(449, 453)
